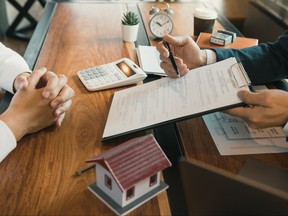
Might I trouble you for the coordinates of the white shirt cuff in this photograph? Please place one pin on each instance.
(11, 65)
(8, 141)
(211, 56)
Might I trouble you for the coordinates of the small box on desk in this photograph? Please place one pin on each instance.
(203, 41)
(221, 39)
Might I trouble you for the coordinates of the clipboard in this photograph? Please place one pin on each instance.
(203, 90)
(239, 74)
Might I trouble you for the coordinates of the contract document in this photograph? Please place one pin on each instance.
(203, 90)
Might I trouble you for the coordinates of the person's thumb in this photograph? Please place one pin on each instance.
(248, 97)
(21, 82)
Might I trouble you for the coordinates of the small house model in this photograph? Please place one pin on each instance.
(129, 175)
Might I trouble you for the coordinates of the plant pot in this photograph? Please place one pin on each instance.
(130, 32)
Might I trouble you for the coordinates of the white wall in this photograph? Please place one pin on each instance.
(115, 193)
(141, 188)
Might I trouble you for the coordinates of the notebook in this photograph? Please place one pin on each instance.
(149, 60)
(212, 191)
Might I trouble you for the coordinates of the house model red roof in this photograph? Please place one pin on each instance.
(133, 161)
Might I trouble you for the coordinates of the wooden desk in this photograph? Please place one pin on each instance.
(191, 137)
(38, 177)
(183, 18)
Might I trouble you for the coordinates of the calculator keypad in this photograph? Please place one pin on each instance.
(114, 74)
(100, 75)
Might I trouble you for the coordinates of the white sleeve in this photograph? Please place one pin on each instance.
(7, 141)
(211, 56)
(11, 65)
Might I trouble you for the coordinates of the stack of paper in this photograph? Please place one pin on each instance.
(232, 136)
(149, 60)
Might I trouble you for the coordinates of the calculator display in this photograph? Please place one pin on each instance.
(125, 68)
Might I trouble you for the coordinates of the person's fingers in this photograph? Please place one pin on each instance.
(165, 59)
(51, 82)
(166, 65)
(54, 85)
(60, 119)
(49, 79)
(65, 94)
(169, 70)
(22, 83)
(63, 108)
(162, 50)
(183, 69)
(175, 41)
(178, 41)
(36, 76)
(252, 98)
(253, 115)
(242, 112)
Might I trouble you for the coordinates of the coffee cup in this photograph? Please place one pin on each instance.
(204, 20)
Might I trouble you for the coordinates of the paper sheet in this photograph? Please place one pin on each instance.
(149, 60)
(232, 136)
(201, 91)
(228, 146)
(236, 128)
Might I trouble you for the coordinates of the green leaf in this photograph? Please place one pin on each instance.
(130, 18)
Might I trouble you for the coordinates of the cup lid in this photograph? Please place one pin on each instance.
(205, 13)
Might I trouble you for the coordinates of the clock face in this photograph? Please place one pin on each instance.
(161, 24)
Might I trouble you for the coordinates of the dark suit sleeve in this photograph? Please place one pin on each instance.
(265, 62)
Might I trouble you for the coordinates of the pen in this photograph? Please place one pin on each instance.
(82, 170)
(171, 58)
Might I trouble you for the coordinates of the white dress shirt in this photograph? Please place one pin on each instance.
(211, 56)
(11, 65)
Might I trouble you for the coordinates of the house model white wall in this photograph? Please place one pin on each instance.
(129, 174)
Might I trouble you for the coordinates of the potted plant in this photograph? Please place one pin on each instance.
(130, 26)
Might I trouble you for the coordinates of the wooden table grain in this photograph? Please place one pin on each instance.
(38, 177)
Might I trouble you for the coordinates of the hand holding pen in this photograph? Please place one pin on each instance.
(172, 58)
(187, 55)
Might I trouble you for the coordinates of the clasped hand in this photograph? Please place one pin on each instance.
(41, 99)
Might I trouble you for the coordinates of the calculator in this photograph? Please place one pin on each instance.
(115, 74)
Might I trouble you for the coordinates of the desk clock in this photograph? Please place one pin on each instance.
(161, 23)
